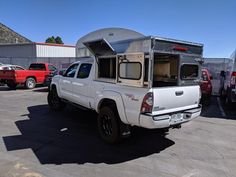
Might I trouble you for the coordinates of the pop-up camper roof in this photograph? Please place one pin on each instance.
(101, 47)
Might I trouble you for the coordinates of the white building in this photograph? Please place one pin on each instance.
(24, 54)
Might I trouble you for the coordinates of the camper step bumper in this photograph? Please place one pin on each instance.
(168, 120)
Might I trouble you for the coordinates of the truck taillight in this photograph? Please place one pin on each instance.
(233, 77)
(15, 75)
(147, 103)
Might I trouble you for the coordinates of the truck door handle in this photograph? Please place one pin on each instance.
(179, 93)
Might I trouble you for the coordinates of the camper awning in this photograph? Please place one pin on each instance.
(100, 47)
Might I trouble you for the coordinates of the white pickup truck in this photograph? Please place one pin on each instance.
(148, 82)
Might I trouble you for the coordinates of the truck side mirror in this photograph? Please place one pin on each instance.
(211, 77)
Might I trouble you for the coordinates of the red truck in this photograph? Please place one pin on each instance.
(36, 74)
(206, 85)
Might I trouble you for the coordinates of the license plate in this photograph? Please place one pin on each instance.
(176, 118)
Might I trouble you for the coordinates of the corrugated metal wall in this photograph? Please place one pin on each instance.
(25, 62)
(54, 51)
(18, 50)
(25, 54)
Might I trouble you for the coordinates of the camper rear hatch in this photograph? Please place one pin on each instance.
(176, 75)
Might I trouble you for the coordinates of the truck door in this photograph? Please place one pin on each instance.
(66, 82)
(81, 84)
(131, 69)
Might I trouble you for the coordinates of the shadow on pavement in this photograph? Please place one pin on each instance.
(217, 109)
(43, 89)
(39, 88)
(71, 136)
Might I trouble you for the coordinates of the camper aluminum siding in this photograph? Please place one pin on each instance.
(155, 44)
(145, 45)
(149, 46)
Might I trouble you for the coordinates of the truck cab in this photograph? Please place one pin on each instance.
(149, 82)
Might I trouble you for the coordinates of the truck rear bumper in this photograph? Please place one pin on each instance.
(168, 120)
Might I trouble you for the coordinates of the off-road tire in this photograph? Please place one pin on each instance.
(109, 124)
(11, 85)
(54, 102)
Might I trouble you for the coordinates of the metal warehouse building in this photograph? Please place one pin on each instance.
(17, 49)
(24, 54)
(37, 50)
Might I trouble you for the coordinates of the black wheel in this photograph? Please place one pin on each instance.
(108, 125)
(30, 83)
(11, 85)
(54, 101)
(228, 102)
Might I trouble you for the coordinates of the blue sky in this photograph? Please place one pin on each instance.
(211, 22)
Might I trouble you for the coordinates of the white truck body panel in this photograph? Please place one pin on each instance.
(173, 99)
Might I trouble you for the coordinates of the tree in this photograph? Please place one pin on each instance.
(50, 40)
(58, 40)
(54, 40)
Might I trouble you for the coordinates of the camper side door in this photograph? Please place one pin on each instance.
(130, 69)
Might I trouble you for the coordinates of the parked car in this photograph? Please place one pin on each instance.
(11, 67)
(36, 74)
(206, 86)
(155, 85)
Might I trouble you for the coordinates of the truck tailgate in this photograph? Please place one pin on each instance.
(174, 99)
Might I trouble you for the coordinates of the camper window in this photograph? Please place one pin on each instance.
(107, 67)
(130, 70)
(165, 70)
(189, 72)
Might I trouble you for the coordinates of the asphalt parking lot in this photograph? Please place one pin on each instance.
(36, 142)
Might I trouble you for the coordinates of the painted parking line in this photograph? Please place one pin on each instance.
(221, 109)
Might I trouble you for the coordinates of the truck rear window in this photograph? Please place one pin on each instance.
(37, 66)
(189, 72)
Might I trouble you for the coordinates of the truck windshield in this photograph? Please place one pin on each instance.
(37, 66)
